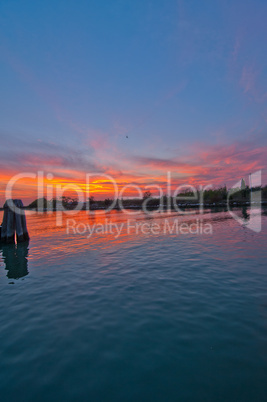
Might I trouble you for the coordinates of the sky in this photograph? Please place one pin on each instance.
(132, 89)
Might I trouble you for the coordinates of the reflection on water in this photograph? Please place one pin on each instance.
(15, 257)
(139, 316)
(52, 244)
(245, 213)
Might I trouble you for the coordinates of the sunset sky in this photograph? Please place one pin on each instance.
(133, 89)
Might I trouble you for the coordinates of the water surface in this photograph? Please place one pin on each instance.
(140, 317)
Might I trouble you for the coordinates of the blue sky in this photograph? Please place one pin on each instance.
(182, 79)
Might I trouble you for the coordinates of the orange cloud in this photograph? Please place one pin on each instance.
(202, 165)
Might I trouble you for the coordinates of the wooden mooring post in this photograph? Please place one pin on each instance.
(14, 223)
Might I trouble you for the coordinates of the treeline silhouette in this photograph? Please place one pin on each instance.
(209, 197)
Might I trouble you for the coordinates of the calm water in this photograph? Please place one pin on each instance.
(140, 317)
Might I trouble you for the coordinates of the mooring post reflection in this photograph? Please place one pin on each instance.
(15, 257)
(245, 213)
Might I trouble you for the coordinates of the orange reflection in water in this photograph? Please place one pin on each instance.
(84, 231)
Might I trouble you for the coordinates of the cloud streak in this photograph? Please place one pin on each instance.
(217, 165)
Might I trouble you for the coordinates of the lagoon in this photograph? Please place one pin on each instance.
(153, 316)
